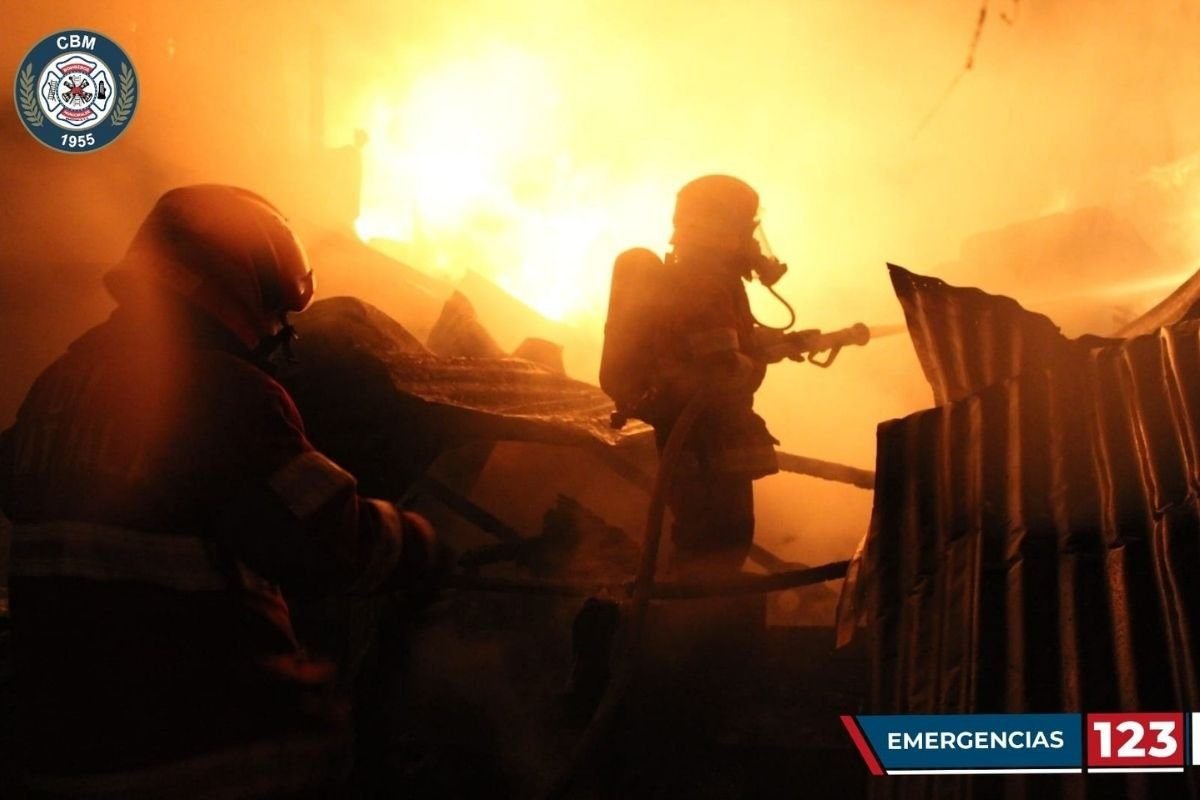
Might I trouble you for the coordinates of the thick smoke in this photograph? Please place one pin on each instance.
(837, 112)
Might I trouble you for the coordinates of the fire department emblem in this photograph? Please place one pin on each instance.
(76, 91)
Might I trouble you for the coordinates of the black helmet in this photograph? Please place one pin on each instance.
(716, 211)
(226, 251)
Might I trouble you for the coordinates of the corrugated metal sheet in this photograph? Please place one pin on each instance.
(1034, 544)
(350, 345)
(357, 364)
(1172, 309)
(380, 403)
(967, 339)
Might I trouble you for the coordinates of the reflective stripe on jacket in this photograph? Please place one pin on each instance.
(107, 553)
(164, 498)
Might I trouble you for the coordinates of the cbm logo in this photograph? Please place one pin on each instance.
(76, 91)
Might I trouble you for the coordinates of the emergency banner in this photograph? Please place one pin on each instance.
(969, 743)
(964, 744)
(958, 744)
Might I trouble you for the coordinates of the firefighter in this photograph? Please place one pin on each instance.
(164, 498)
(684, 323)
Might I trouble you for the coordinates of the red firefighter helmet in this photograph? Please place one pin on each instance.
(224, 250)
(716, 211)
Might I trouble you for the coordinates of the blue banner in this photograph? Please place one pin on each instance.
(975, 742)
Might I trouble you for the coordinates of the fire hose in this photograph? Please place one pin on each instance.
(629, 644)
(803, 345)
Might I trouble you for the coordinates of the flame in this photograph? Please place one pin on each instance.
(473, 169)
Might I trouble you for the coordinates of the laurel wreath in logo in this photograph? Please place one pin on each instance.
(125, 96)
(28, 98)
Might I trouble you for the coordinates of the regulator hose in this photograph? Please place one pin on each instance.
(791, 313)
(629, 645)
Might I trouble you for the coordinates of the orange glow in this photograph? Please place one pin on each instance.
(531, 142)
(471, 167)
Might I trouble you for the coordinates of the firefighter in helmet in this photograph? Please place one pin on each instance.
(164, 498)
(684, 323)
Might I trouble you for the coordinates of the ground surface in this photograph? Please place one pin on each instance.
(473, 694)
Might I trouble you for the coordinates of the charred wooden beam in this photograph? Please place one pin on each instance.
(475, 514)
(826, 470)
(683, 590)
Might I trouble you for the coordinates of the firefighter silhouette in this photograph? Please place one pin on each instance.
(682, 323)
(164, 498)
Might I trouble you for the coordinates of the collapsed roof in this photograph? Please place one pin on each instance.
(489, 395)
(355, 363)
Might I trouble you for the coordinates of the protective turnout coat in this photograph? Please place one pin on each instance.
(163, 496)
